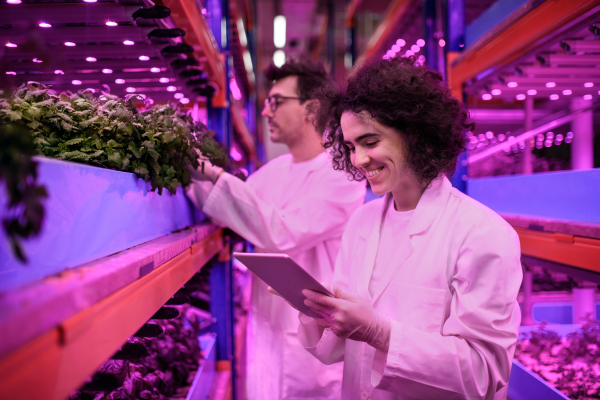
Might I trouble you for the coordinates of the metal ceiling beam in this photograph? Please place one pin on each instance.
(114, 51)
(557, 71)
(78, 66)
(58, 35)
(518, 39)
(583, 45)
(572, 59)
(11, 15)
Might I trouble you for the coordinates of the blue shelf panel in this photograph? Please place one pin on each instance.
(91, 213)
(202, 383)
(491, 17)
(568, 195)
(525, 385)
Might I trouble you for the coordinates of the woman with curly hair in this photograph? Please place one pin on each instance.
(425, 285)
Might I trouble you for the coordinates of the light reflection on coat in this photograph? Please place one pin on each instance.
(452, 302)
(300, 209)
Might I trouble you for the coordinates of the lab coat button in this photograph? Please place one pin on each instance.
(365, 395)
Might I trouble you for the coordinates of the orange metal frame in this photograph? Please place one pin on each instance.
(186, 15)
(59, 361)
(517, 39)
(394, 13)
(571, 250)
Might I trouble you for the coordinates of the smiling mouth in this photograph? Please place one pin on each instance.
(373, 172)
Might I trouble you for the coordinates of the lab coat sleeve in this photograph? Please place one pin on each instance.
(472, 355)
(317, 216)
(320, 342)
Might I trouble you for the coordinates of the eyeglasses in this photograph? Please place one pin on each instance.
(274, 101)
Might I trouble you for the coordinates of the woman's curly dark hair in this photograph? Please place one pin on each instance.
(408, 97)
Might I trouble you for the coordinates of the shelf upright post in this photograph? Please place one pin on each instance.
(455, 34)
(429, 30)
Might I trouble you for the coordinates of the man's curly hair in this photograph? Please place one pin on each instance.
(408, 97)
(311, 75)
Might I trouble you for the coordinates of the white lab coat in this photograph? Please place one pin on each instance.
(452, 302)
(300, 209)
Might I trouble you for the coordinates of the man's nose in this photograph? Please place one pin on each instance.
(266, 111)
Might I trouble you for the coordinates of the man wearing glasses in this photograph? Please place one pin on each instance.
(295, 204)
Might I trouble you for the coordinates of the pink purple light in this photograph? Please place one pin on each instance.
(550, 84)
(567, 92)
(396, 48)
(415, 48)
(128, 42)
(235, 154)
(204, 11)
(119, 81)
(401, 42)
(76, 82)
(107, 71)
(420, 43)
(59, 72)
(164, 80)
(90, 1)
(588, 84)
(486, 96)
(9, 44)
(185, 100)
(496, 92)
(35, 60)
(553, 97)
(13, 1)
(587, 96)
(409, 53)
(111, 23)
(521, 96)
(532, 92)
(512, 84)
(11, 73)
(179, 95)
(90, 59)
(155, 69)
(171, 88)
(130, 90)
(144, 58)
(69, 44)
(442, 43)
(235, 89)
(44, 25)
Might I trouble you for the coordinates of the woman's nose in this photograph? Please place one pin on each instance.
(361, 157)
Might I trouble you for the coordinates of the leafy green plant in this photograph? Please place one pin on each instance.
(158, 145)
(24, 208)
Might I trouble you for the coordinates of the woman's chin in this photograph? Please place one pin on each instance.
(379, 190)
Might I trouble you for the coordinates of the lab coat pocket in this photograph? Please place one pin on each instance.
(424, 307)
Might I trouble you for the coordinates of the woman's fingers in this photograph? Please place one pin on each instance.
(319, 298)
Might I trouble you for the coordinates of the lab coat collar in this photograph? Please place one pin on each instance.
(431, 203)
(433, 200)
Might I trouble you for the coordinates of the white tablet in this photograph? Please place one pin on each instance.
(285, 276)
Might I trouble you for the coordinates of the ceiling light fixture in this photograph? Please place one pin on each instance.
(420, 43)
(44, 25)
(155, 69)
(521, 96)
(9, 44)
(130, 90)
(486, 96)
(171, 88)
(401, 42)
(119, 81)
(144, 58)
(567, 92)
(279, 58)
(11, 73)
(588, 84)
(59, 72)
(76, 82)
(164, 80)
(184, 100)
(179, 96)
(111, 23)
(442, 43)
(496, 92)
(532, 92)
(512, 84)
(35, 60)
(550, 84)
(128, 42)
(13, 1)
(90, 59)
(553, 97)
(415, 48)
(279, 31)
(69, 44)
(107, 71)
(587, 96)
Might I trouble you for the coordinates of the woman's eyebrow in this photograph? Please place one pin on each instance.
(365, 136)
